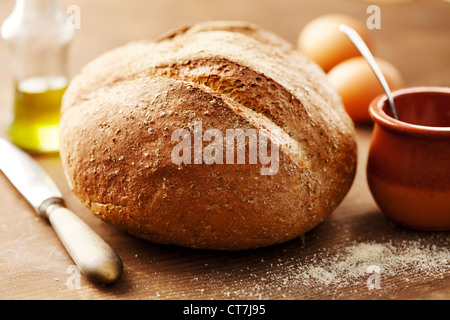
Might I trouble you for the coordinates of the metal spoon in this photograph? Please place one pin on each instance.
(365, 52)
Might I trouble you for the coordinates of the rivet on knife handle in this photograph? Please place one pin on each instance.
(93, 256)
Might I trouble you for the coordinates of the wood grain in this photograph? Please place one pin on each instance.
(34, 265)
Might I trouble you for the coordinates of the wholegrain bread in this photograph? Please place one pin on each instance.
(120, 111)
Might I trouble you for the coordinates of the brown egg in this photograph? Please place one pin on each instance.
(323, 42)
(357, 85)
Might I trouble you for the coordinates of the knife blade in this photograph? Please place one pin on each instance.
(93, 256)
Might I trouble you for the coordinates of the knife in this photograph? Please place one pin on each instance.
(93, 256)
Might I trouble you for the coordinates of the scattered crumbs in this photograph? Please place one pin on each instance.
(336, 273)
(353, 265)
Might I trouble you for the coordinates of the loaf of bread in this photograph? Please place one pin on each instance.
(130, 148)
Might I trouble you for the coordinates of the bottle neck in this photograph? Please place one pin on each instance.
(38, 38)
(36, 7)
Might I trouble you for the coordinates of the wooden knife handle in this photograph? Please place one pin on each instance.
(93, 256)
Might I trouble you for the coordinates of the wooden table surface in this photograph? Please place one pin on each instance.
(34, 265)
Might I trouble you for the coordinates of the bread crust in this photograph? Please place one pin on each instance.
(119, 113)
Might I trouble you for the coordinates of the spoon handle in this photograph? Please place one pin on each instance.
(365, 52)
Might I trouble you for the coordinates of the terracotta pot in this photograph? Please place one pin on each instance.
(408, 169)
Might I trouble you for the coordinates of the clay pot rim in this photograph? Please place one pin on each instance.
(380, 117)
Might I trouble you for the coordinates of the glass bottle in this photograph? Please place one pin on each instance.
(38, 38)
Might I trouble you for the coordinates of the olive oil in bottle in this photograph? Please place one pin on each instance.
(36, 113)
(38, 37)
